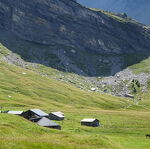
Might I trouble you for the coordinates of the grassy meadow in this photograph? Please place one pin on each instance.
(119, 130)
(123, 124)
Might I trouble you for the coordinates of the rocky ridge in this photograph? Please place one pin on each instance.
(141, 13)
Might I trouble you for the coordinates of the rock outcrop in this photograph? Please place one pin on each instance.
(66, 26)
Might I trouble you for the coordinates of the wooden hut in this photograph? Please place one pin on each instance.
(34, 113)
(56, 116)
(90, 122)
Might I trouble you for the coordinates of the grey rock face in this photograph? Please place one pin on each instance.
(66, 24)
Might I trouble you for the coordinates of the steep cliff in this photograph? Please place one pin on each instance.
(67, 36)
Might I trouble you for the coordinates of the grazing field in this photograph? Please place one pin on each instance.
(123, 124)
(119, 130)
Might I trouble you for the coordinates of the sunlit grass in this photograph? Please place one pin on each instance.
(143, 66)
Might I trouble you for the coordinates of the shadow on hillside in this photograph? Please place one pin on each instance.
(82, 63)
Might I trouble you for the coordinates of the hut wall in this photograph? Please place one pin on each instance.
(54, 117)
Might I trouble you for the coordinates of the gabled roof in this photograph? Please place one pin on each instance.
(15, 112)
(59, 114)
(39, 112)
(88, 120)
(46, 122)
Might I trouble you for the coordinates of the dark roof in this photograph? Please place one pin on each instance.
(35, 119)
(46, 122)
(39, 112)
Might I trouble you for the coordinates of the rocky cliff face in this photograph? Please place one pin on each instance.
(64, 35)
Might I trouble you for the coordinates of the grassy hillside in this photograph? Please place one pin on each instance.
(24, 87)
(24, 134)
(119, 130)
(21, 89)
(143, 66)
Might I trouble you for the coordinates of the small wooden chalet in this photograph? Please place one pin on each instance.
(90, 122)
(45, 122)
(56, 116)
(34, 113)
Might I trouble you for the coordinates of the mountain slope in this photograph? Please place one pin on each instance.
(124, 124)
(141, 13)
(100, 44)
(22, 88)
(62, 34)
(66, 36)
